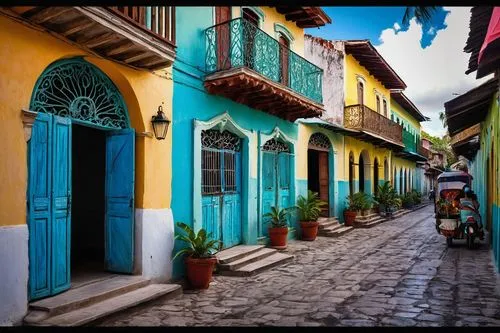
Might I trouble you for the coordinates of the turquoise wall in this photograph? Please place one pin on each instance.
(190, 102)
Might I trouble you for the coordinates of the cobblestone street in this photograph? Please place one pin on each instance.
(399, 273)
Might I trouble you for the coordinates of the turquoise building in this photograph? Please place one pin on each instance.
(240, 82)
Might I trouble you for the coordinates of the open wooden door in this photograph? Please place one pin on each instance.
(119, 221)
(324, 181)
(223, 14)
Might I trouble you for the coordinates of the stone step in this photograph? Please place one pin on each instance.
(366, 217)
(331, 228)
(84, 296)
(339, 232)
(253, 257)
(236, 253)
(260, 265)
(327, 219)
(325, 225)
(369, 224)
(86, 315)
(374, 218)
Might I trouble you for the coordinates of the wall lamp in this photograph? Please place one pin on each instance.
(160, 124)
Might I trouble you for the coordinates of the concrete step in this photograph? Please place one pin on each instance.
(331, 228)
(366, 217)
(86, 315)
(327, 219)
(260, 265)
(338, 232)
(325, 225)
(236, 253)
(252, 257)
(83, 296)
(370, 223)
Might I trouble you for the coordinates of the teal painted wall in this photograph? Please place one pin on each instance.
(190, 102)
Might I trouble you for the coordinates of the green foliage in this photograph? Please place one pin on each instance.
(278, 217)
(442, 145)
(199, 245)
(422, 14)
(417, 196)
(387, 196)
(310, 207)
(408, 199)
(359, 201)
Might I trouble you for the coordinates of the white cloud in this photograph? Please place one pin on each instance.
(434, 73)
(396, 26)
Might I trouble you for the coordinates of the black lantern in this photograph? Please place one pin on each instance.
(160, 124)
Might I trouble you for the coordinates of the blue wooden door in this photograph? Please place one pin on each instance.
(221, 187)
(283, 172)
(61, 204)
(119, 221)
(39, 203)
(269, 187)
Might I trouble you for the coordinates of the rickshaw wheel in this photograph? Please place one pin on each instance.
(449, 241)
(470, 242)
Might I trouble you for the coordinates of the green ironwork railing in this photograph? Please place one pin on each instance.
(239, 43)
(409, 141)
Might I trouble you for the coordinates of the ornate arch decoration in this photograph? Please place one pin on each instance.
(77, 89)
(280, 29)
(277, 141)
(319, 141)
(259, 12)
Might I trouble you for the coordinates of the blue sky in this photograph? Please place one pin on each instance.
(368, 23)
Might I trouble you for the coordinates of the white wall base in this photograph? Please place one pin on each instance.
(13, 274)
(154, 242)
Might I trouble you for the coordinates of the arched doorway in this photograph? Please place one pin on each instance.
(221, 185)
(318, 168)
(361, 173)
(351, 173)
(375, 175)
(276, 177)
(401, 188)
(284, 44)
(386, 170)
(364, 172)
(81, 177)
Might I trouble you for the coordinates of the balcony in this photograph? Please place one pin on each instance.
(139, 37)
(409, 141)
(245, 64)
(424, 151)
(373, 127)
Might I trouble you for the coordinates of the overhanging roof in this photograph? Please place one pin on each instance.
(408, 105)
(305, 17)
(366, 54)
(470, 108)
(328, 125)
(478, 25)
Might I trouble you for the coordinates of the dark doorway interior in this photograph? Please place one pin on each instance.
(313, 170)
(361, 170)
(87, 211)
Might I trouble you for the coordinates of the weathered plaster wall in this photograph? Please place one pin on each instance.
(330, 57)
(407, 118)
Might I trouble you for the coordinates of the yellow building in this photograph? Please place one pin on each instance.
(366, 142)
(83, 177)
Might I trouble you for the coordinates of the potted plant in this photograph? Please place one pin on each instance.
(417, 197)
(385, 198)
(366, 203)
(200, 261)
(354, 204)
(278, 227)
(407, 200)
(309, 210)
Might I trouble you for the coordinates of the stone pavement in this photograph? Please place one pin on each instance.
(399, 273)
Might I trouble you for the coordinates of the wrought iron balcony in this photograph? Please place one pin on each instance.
(246, 64)
(140, 37)
(373, 126)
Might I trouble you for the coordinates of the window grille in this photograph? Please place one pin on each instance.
(276, 146)
(319, 141)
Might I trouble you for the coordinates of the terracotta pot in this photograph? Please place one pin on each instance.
(278, 237)
(349, 217)
(309, 230)
(199, 271)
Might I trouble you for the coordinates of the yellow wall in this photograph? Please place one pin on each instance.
(271, 16)
(356, 147)
(398, 109)
(400, 163)
(352, 67)
(25, 54)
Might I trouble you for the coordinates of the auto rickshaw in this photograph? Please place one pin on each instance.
(448, 208)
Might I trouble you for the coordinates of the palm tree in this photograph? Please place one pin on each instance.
(422, 14)
(442, 117)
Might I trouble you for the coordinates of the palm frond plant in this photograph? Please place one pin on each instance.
(310, 207)
(278, 226)
(200, 260)
(422, 14)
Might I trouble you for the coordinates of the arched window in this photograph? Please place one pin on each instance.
(378, 104)
(385, 108)
(361, 93)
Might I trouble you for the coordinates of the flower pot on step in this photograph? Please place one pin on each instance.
(199, 271)
(309, 230)
(278, 237)
(349, 217)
